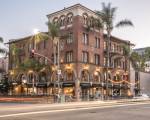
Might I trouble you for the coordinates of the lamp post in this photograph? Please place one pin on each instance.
(11, 74)
(24, 81)
(30, 71)
(57, 48)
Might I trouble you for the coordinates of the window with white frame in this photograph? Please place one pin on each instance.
(97, 42)
(105, 45)
(85, 19)
(70, 38)
(62, 20)
(85, 56)
(69, 18)
(105, 61)
(85, 38)
(69, 56)
(97, 59)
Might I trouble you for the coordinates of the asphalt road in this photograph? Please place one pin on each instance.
(136, 111)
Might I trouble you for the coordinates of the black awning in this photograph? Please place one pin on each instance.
(85, 84)
(41, 85)
(68, 84)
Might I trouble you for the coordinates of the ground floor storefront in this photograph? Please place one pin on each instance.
(75, 81)
(87, 91)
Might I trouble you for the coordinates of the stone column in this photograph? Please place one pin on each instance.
(77, 89)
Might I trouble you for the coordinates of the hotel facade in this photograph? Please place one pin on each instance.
(82, 60)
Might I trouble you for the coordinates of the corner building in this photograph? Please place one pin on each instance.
(82, 59)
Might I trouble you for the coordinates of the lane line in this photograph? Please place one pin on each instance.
(64, 105)
(70, 109)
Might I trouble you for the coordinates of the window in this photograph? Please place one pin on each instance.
(54, 58)
(44, 43)
(62, 20)
(113, 48)
(97, 59)
(69, 56)
(69, 18)
(70, 38)
(45, 61)
(105, 45)
(85, 56)
(55, 20)
(97, 42)
(105, 61)
(85, 19)
(85, 39)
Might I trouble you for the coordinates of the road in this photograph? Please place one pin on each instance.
(88, 111)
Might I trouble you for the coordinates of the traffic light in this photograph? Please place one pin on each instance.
(32, 53)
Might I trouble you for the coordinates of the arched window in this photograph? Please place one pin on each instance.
(55, 20)
(31, 78)
(117, 77)
(85, 18)
(109, 76)
(42, 77)
(85, 77)
(69, 75)
(62, 20)
(92, 20)
(69, 18)
(96, 77)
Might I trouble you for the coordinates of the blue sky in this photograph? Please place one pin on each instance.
(18, 18)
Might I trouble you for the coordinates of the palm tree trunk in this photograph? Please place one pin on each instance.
(107, 62)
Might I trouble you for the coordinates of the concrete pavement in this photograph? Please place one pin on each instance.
(15, 111)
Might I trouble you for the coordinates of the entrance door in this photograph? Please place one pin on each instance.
(85, 93)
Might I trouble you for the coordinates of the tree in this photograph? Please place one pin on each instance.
(147, 54)
(31, 64)
(2, 50)
(137, 61)
(107, 14)
(53, 33)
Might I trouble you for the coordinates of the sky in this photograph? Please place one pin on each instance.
(18, 18)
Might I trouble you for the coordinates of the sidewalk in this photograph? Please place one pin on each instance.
(46, 100)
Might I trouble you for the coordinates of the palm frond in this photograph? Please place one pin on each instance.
(126, 50)
(1, 40)
(2, 51)
(53, 29)
(108, 15)
(124, 23)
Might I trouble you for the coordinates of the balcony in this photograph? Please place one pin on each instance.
(114, 52)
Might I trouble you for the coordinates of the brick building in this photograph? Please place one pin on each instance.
(3, 67)
(82, 58)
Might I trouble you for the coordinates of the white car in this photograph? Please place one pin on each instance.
(142, 96)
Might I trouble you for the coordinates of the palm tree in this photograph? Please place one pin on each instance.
(2, 50)
(53, 33)
(126, 54)
(15, 53)
(147, 54)
(137, 61)
(107, 14)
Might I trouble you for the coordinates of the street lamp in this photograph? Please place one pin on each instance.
(31, 71)
(36, 31)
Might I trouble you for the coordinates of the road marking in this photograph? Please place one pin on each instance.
(70, 109)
